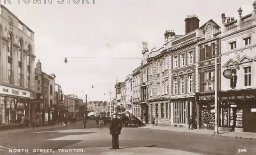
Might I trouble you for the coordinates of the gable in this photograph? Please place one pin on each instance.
(245, 59)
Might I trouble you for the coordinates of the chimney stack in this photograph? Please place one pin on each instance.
(168, 35)
(191, 23)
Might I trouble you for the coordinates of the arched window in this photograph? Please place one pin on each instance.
(28, 66)
(19, 55)
(9, 51)
(9, 44)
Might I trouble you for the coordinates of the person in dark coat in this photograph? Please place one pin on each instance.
(84, 121)
(115, 130)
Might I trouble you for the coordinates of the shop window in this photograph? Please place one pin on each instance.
(179, 112)
(162, 110)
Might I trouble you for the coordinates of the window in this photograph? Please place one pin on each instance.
(232, 45)
(182, 85)
(209, 82)
(156, 110)
(166, 110)
(206, 51)
(179, 115)
(175, 86)
(247, 76)
(182, 60)
(190, 57)
(247, 41)
(51, 90)
(166, 89)
(9, 45)
(9, 50)
(189, 83)
(162, 110)
(175, 61)
(213, 49)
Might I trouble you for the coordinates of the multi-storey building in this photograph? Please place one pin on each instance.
(128, 90)
(72, 103)
(136, 82)
(158, 85)
(59, 106)
(17, 56)
(237, 101)
(144, 83)
(183, 73)
(39, 92)
(98, 107)
(205, 62)
(48, 84)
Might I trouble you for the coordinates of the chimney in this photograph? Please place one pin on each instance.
(191, 24)
(223, 16)
(168, 35)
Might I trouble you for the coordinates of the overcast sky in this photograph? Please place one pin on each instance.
(108, 29)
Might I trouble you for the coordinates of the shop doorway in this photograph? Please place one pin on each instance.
(250, 120)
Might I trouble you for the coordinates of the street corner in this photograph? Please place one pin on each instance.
(124, 151)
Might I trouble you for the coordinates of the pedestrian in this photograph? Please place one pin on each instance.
(115, 130)
(84, 121)
(97, 121)
(26, 121)
(190, 123)
(156, 121)
(153, 120)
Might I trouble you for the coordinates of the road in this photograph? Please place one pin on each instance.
(96, 140)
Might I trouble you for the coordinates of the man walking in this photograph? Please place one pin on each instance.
(115, 130)
(84, 121)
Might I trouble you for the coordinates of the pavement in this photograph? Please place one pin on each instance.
(248, 135)
(30, 129)
(123, 151)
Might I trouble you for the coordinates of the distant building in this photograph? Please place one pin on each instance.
(72, 103)
(99, 107)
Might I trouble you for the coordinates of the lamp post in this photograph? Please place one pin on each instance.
(216, 131)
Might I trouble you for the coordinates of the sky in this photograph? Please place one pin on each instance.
(105, 30)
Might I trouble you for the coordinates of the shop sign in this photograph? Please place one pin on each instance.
(253, 109)
(13, 91)
(206, 97)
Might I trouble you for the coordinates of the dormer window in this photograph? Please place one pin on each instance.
(247, 41)
(232, 45)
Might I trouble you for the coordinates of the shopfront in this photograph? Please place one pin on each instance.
(11, 110)
(182, 109)
(205, 110)
(238, 110)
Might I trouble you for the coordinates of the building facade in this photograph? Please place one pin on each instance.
(237, 101)
(17, 56)
(136, 82)
(205, 97)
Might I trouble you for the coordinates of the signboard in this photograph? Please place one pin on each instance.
(14, 91)
(253, 109)
(228, 73)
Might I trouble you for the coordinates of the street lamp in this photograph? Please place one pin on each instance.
(216, 131)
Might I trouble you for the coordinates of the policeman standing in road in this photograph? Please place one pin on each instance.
(115, 130)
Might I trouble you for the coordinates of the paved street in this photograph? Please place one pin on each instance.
(73, 139)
